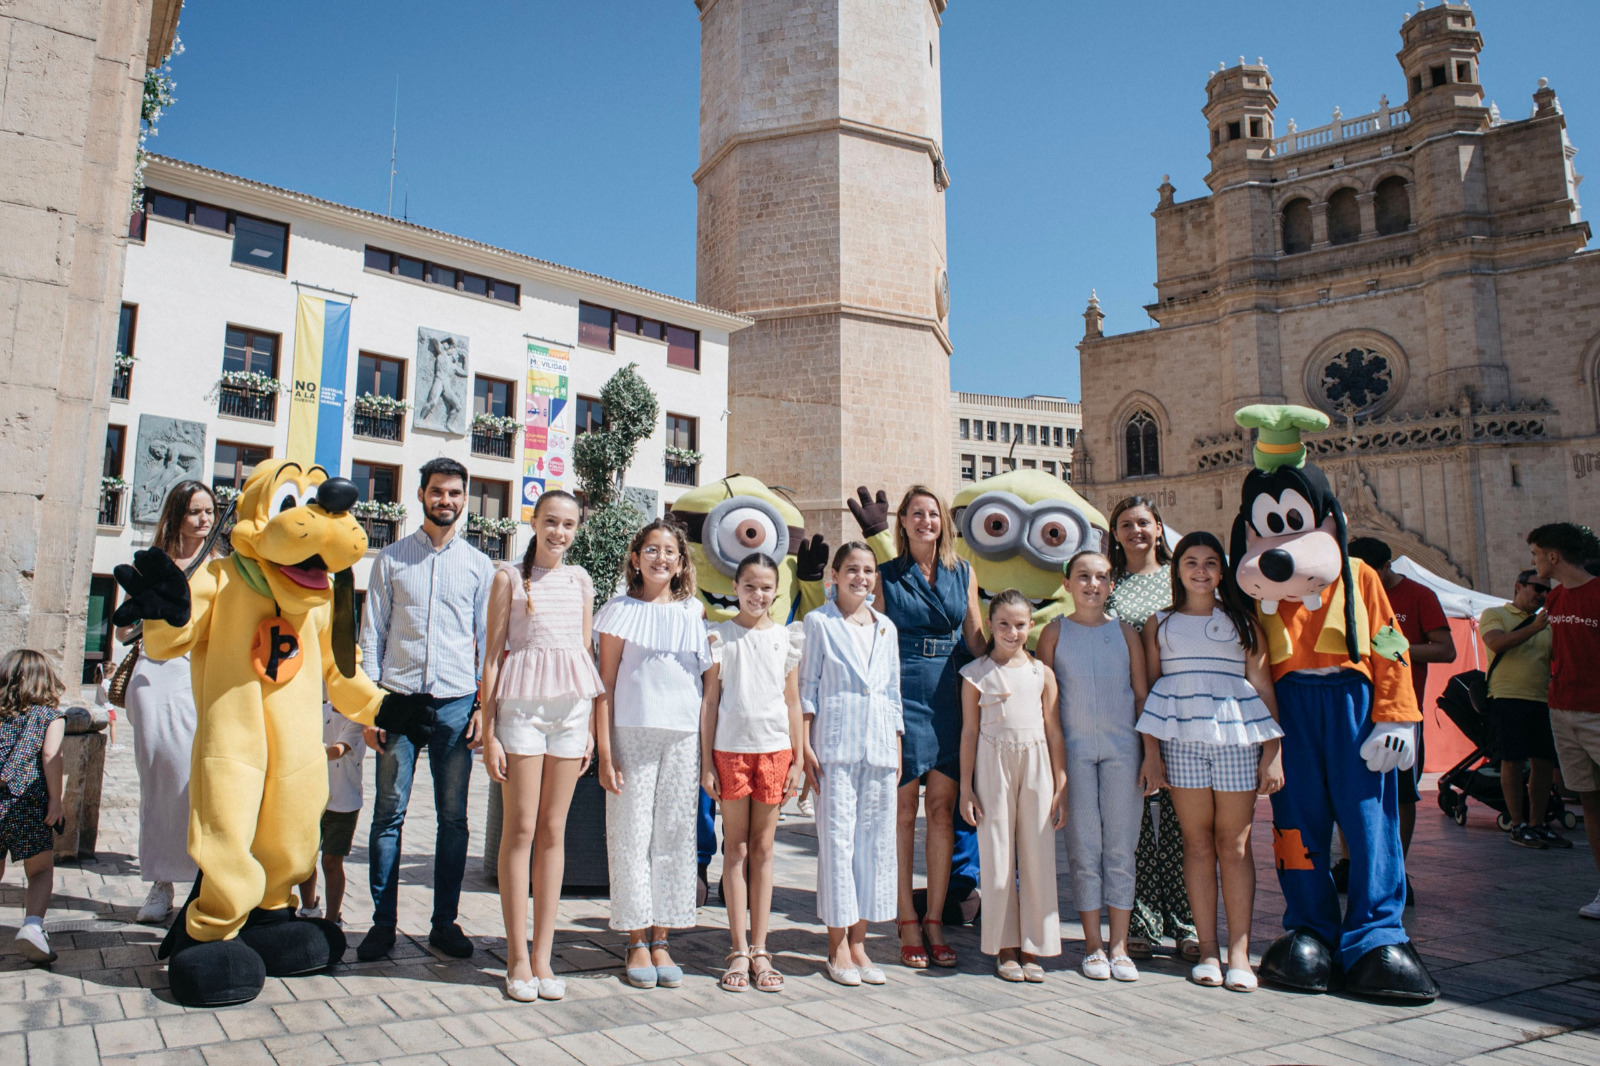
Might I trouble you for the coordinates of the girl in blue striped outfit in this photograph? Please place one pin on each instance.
(850, 698)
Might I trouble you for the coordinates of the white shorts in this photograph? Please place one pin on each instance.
(558, 727)
(1577, 736)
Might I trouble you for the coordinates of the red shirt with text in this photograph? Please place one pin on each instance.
(1416, 614)
(1575, 646)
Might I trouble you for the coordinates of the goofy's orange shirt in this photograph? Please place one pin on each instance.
(1299, 639)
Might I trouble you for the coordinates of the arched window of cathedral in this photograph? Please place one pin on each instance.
(1142, 442)
(1393, 206)
(1296, 227)
(1344, 217)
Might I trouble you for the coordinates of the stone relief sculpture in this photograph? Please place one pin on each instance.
(443, 381)
(168, 451)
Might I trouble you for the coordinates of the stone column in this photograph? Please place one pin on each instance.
(1366, 202)
(1319, 225)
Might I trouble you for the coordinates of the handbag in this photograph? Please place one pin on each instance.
(1476, 682)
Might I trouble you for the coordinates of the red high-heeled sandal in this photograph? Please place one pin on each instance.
(943, 954)
(914, 956)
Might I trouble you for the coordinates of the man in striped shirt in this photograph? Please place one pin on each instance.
(423, 631)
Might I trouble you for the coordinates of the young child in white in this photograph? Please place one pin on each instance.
(536, 735)
(653, 654)
(850, 696)
(1099, 669)
(341, 738)
(1014, 790)
(1211, 732)
(751, 745)
(31, 730)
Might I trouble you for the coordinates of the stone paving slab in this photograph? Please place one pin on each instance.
(1497, 925)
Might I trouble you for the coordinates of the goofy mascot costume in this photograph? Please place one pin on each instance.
(1349, 719)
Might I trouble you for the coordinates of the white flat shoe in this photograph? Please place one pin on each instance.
(1207, 975)
(1122, 968)
(1095, 967)
(1240, 981)
(552, 988)
(871, 975)
(522, 991)
(850, 978)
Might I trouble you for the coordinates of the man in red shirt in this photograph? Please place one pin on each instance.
(1420, 619)
(1560, 551)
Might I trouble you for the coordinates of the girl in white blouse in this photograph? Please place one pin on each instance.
(750, 758)
(850, 697)
(653, 652)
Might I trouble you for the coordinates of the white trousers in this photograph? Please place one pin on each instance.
(1016, 847)
(857, 878)
(650, 828)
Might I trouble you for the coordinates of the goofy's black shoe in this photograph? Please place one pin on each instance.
(291, 946)
(1298, 962)
(1391, 972)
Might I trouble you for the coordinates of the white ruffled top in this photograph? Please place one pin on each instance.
(1202, 694)
(753, 713)
(663, 655)
(547, 658)
(1010, 697)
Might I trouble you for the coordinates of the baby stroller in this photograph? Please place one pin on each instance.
(1478, 775)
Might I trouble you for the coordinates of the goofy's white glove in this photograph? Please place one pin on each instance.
(1392, 745)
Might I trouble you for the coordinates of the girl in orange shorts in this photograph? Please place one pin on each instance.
(750, 761)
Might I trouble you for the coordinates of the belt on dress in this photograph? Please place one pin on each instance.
(927, 647)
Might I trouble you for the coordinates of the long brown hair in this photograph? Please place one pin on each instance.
(944, 549)
(174, 510)
(533, 541)
(27, 680)
(1118, 557)
(1007, 598)
(683, 584)
(1234, 603)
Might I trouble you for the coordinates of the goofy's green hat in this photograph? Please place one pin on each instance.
(1278, 427)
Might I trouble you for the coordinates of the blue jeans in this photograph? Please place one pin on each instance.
(450, 762)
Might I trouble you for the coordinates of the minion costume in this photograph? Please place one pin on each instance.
(1349, 718)
(261, 632)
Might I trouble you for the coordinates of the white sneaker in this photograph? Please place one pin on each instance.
(34, 944)
(157, 904)
(806, 807)
(313, 911)
(1590, 910)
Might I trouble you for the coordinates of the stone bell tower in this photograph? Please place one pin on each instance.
(821, 216)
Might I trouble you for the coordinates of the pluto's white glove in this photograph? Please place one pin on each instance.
(1392, 745)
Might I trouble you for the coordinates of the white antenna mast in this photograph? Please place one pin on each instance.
(394, 141)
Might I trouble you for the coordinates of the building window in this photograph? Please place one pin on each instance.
(1438, 76)
(97, 646)
(1030, 464)
(594, 327)
(377, 484)
(113, 490)
(232, 463)
(1072, 436)
(1393, 206)
(1344, 217)
(1464, 71)
(1033, 434)
(1048, 466)
(1005, 433)
(488, 508)
(988, 464)
(1010, 463)
(248, 351)
(493, 401)
(683, 348)
(446, 277)
(966, 429)
(379, 393)
(991, 431)
(260, 243)
(1233, 131)
(122, 372)
(1058, 436)
(1297, 226)
(491, 396)
(969, 468)
(591, 415)
(683, 456)
(1355, 382)
(1142, 439)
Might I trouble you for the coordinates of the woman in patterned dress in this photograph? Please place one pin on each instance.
(1141, 570)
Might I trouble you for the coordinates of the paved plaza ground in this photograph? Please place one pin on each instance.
(1497, 925)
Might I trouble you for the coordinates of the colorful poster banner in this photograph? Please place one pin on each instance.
(316, 397)
(547, 426)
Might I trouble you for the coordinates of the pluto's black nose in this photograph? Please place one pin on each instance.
(337, 495)
(1276, 565)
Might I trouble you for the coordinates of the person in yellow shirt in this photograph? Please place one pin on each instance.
(1518, 638)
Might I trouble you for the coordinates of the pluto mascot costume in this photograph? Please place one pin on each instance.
(1349, 720)
(260, 628)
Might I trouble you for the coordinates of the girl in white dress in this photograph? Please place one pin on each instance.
(160, 706)
(536, 735)
(751, 759)
(1211, 731)
(653, 653)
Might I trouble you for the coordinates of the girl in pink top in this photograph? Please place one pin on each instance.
(536, 733)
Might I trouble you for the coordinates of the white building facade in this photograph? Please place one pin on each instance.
(993, 434)
(214, 267)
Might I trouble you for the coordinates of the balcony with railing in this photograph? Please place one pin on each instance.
(252, 396)
(683, 466)
(380, 417)
(1341, 129)
(113, 491)
(381, 520)
(491, 536)
(494, 436)
(122, 377)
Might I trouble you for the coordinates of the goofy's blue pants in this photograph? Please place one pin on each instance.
(1326, 718)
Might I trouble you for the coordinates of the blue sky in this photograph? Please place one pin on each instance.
(569, 130)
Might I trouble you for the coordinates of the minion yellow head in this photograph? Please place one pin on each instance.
(1018, 530)
(728, 520)
(295, 523)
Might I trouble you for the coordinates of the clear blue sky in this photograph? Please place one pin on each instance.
(569, 130)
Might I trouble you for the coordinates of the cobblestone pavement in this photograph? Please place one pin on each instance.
(1497, 925)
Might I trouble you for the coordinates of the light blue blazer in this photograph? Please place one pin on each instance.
(855, 705)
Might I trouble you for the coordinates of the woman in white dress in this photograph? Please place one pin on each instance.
(160, 708)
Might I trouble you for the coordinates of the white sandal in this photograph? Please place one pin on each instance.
(1207, 975)
(1096, 967)
(1240, 980)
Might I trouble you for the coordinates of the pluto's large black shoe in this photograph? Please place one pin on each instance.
(1298, 962)
(1392, 972)
(290, 946)
(217, 973)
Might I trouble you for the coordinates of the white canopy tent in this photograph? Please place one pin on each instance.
(1458, 601)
